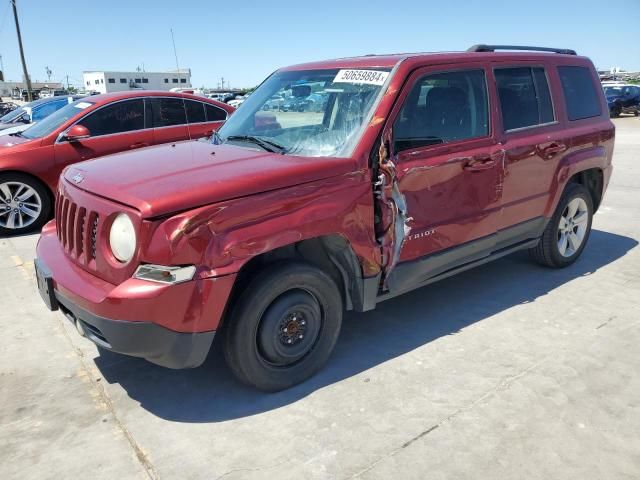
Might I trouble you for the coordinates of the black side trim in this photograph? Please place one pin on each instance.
(147, 340)
(409, 275)
(462, 268)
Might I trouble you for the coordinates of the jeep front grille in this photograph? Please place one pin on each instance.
(77, 230)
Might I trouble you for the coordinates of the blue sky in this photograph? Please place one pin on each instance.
(245, 43)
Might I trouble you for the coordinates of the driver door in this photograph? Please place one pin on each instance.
(114, 128)
(448, 172)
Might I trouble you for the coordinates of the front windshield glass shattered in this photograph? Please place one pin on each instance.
(309, 112)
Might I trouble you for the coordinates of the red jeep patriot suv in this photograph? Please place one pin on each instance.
(383, 174)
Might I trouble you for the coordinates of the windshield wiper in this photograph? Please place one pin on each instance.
(268, 145)
(16, 134)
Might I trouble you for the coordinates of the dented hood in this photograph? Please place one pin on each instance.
(174, 177)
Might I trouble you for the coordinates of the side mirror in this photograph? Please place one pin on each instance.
(25, 118)
(77, 133)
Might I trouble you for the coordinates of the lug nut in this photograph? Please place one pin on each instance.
(289, 341)
(300, 336)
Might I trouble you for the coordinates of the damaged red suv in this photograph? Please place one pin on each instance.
(394, 172)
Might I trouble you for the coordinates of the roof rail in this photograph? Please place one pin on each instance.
(493, 48)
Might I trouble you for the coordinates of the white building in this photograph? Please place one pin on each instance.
(105, 82)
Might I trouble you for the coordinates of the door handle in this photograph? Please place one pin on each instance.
(138, 145)
(553, 149)
(480, 164)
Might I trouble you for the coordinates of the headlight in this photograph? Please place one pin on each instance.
(122, 238)
(163, 274)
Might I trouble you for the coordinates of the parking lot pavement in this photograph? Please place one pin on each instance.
(507, 371)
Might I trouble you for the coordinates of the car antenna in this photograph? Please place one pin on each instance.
(184, 103)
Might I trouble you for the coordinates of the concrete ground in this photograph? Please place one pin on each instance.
(507, 371)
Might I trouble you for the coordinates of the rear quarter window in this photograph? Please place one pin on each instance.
(215, 114)
(580, 95)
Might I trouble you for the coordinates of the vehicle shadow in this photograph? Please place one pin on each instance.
(211, 394)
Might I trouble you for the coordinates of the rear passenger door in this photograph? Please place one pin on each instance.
(531, 135)
(169, 119)
(203, 118)
(449, 170)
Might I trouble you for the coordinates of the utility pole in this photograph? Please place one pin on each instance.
(1, 69)
(67, 83)
(24, 64)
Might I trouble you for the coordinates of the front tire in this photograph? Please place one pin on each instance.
(25, 204)
(567, 232)
(283, 327)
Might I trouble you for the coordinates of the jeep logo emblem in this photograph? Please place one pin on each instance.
(78, 178)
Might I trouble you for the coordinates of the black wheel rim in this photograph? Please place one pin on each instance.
(289, 328)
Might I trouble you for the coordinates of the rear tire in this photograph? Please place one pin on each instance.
(283, 327)
(567, 232)
(25, 204)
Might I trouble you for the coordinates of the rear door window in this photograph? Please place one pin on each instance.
(524, 97)
(169, 112)
(118, 117)
(195, 111)
(442, 108)
(580, 93)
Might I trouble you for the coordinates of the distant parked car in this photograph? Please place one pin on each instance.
(6, 107)
(296, 104)
(52, 93)
(274, 103)
(317, 102)
(623, 99)
(31, 161)
(33, 112)
(236, 102)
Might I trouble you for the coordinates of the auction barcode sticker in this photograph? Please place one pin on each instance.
(371, 77)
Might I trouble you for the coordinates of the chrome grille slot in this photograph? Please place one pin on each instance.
(79, 231)
(71, 217)
(63, 221)
(58, 214)
(93, 235)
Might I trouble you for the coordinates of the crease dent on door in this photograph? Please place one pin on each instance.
(392, 226)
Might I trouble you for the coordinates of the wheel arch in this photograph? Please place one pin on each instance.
(332, 253)
(593, 180)
(585, 166)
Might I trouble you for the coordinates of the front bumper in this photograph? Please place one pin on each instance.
(146, 340)
(170, 325)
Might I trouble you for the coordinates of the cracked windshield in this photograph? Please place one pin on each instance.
(309, 113)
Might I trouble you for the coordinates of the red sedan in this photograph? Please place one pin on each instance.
(31, 161)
